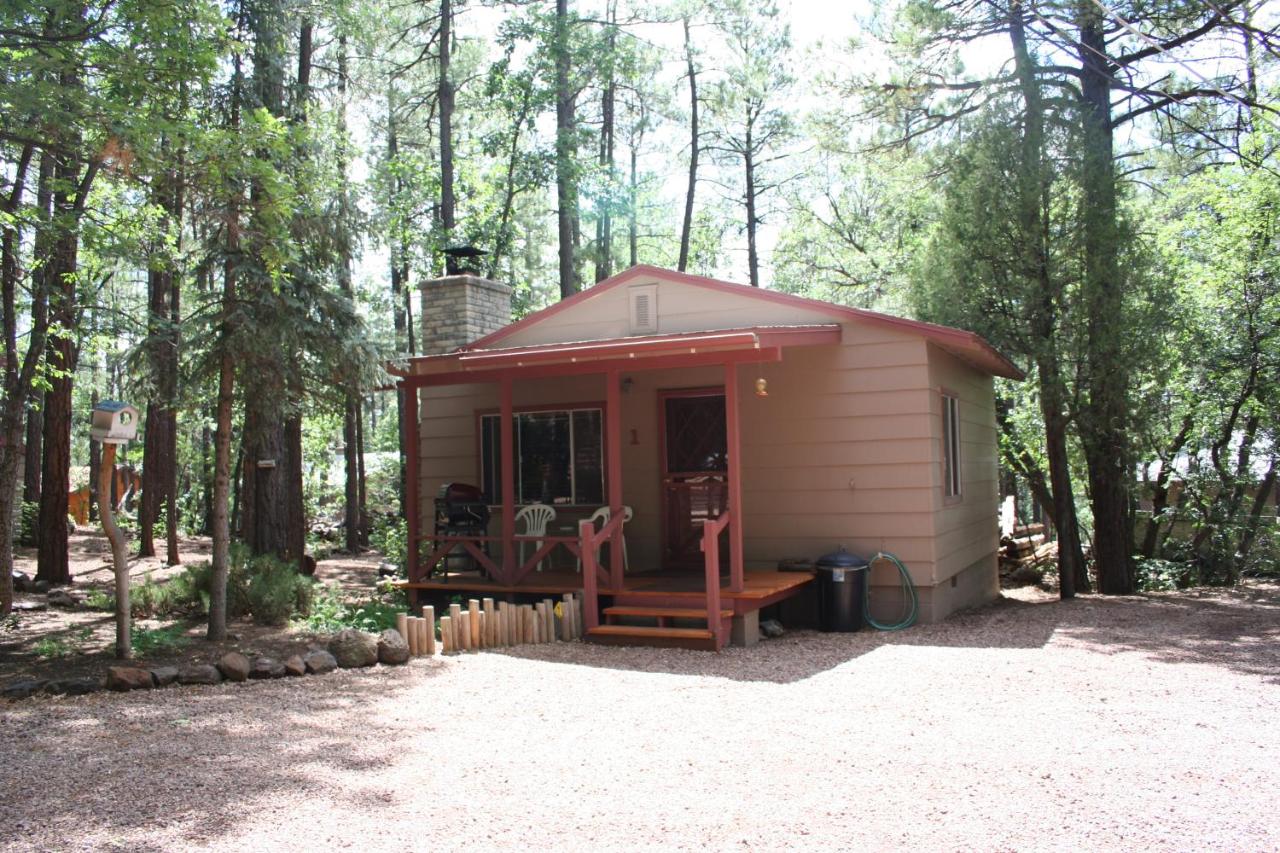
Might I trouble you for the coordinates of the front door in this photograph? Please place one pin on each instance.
(694, 471)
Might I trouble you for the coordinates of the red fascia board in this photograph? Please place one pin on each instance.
(660, 361)
(690, 342)
(990, 359)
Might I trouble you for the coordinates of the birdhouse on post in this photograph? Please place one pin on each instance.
(114, 422)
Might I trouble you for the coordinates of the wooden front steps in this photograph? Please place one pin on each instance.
(662, 614)
(699, 639)
(662, 635)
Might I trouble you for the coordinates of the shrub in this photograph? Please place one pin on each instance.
(1156, 575)
(62, 646)
(150, 641)
(276, 591)
(391, 539)
(331, 612)
(28, 523)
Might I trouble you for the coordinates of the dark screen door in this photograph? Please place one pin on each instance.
(694, 472)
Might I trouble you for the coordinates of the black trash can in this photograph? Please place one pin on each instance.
(841, 589)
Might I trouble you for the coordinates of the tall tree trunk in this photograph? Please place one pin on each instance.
(748, 162)
(17, 372)
(31, 488)
(695, 145)
(1034, 205)
(633, 226)
(362, 502)
(604, 219)
(445, 97)
(1104, 419)
(350, 415)
(160, 446)
(566, 154)
(52, 558)
(33, 447)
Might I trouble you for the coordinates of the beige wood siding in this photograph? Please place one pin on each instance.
(839, 453)
(968, 530)
(681, 308)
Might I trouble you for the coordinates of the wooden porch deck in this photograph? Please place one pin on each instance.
(760, 588)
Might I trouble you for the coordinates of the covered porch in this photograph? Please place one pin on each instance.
(676, 574)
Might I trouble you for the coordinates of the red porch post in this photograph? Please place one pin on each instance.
(613, 443)
(733, 440)
(508, 439)
(409, 429)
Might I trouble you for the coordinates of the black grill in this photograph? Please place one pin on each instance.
(461, 510)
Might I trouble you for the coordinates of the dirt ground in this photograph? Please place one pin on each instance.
(1136, 723)
(87, 636)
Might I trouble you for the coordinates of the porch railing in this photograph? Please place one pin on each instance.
(711, 530)
(441, 546)
(592, 574)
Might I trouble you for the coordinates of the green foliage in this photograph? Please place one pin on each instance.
(28, 522)
(331, 611)
(276, 591)
(1156, 575)
(62, 645)
(147, 642)
(391, 538)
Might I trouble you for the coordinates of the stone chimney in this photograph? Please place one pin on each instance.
(458, 309)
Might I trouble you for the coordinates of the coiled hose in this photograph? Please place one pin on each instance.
(910, 601)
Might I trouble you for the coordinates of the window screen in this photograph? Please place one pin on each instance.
(559, 457)
(951, 445)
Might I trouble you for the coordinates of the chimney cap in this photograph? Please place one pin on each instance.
(464, 252)
(457, 259)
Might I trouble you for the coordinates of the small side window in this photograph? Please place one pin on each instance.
(950, 446)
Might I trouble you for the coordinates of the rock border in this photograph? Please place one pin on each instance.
(231, 667)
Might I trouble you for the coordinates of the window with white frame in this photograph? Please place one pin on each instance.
(559, 455)
(950, 445)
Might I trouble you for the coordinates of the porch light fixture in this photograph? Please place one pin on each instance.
(625, 385)
(762, 387)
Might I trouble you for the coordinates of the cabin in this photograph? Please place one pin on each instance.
(675, 446)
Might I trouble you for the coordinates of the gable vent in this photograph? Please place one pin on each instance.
(644, 309)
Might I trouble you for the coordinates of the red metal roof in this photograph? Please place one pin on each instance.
(967, 346)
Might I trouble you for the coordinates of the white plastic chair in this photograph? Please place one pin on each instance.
(536, 517)
(602, 515)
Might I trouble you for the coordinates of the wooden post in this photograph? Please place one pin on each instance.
(119, 554)
(473, 609)
(613, 452)
(455, 617)
(507, 439)
(410, 431)
(429, 617)
(446, 634)
(490, 624)
(410, 636)
(733, 442)
(528, 623)
(577, 617)
(586, 540)
(567, 617)
(464, 630)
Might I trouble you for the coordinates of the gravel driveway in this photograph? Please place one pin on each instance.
(1121, 723)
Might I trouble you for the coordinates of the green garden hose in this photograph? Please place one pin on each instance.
(910, 602)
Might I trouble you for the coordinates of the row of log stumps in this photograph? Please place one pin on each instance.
(485, 624)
